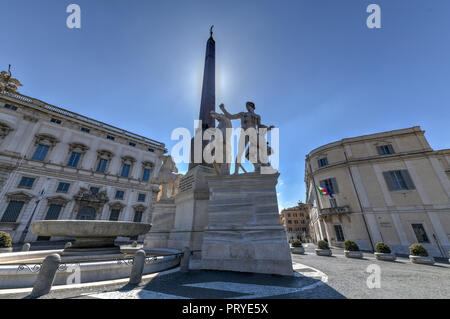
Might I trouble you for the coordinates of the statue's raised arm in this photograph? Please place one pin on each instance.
(227, 114)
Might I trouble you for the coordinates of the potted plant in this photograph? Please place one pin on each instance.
(419, 255)
(351, 249)
(297, 247)
(383, 252)
(323, 249)
(5, 243)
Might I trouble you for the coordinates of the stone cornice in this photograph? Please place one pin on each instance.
(40, 106)
(107, 153)
(80, 146)
(58, 200)
(128, 159)
(376, 159)
(139, 207)
(39, 138)
(19, 196)
(116, 205)
(377, 136)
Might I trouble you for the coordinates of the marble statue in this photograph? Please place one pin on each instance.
(7, 82)
(250, 120)
(168, 178)
(223, 167)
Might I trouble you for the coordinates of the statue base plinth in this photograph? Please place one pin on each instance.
(163, 217)
(244, 232)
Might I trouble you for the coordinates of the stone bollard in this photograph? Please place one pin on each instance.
(46, 275)
(138, 267)
(68, 245)
(26, 247)
(184, 264)
(134, 244)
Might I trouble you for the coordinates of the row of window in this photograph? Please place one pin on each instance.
(295, 221)
(395, 180)
(387, 149)
(294, 214)
(83, 129)
(27, 182)
(14, 208)
(11, 107)
(419, 231)
(297, 229)
(42, 150)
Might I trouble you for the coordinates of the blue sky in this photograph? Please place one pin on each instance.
(313, 68)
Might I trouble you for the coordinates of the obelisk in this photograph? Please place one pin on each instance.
(208, 100)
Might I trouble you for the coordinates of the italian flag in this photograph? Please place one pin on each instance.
(322, 191)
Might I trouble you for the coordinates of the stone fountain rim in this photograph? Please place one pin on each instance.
(41, 228)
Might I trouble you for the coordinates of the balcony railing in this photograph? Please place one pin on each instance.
(335, 211)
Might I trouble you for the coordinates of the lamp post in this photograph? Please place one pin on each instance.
(25, 231)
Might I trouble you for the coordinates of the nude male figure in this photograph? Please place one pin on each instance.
(248, 119)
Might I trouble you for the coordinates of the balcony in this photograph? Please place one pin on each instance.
(342, 210)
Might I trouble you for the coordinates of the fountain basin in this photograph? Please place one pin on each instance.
(89, 233)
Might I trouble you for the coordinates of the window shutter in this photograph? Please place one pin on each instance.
(389, 181)
(380, 150)
(114, 215)
(407, 178)
(391, 149)
(12, 212)
(334, 185)
(53, 212)
(137, 217)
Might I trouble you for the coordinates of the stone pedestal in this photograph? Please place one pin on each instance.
(191, 213)
(163, 218)
(244, 232)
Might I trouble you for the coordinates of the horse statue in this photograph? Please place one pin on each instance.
(7, 82)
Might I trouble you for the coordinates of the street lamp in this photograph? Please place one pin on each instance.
(25, 231)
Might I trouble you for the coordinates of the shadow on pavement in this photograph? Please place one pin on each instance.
(201, 284)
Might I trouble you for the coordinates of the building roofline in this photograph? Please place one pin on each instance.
(409, 130)
(43, 106)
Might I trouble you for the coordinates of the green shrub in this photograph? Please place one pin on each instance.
(5, 240)
(418, 250)
(322, 244)
(382, 248)
(351, 245)
(296, 243)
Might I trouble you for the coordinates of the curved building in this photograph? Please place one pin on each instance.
(387, 187)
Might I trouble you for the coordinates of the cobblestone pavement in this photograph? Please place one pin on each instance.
(316, 277)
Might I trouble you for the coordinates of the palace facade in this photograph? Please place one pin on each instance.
(296, 222)
(388, 187)
(56, 164)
